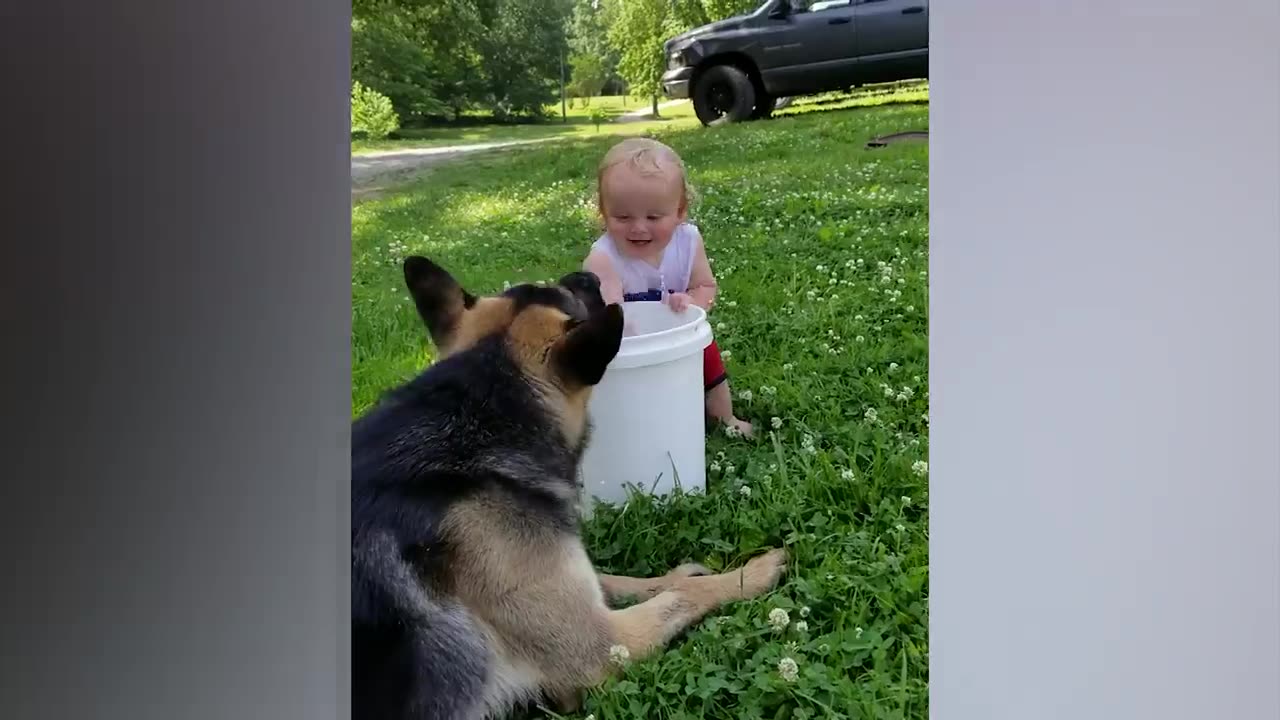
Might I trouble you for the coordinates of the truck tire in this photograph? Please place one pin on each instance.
(723, 94)
(764, 107)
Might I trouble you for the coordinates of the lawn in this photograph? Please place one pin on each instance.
(820, 248)
(579, 124)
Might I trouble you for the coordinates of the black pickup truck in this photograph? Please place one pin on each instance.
(737, 69)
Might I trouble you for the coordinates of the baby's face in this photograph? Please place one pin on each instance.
(641, 211)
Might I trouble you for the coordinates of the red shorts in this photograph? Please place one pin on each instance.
(712, 367)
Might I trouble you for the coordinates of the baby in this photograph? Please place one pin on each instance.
(649, 251)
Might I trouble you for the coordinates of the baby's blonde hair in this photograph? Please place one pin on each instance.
(645, 156)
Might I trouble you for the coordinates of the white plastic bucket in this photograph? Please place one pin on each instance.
(648, 410)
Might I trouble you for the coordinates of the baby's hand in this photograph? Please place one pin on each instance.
(679, 301)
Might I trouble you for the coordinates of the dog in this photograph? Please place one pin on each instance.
(472, 594)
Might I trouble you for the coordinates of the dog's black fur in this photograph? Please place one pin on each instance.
(471, 423)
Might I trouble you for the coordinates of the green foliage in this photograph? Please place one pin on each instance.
(447, 57)
(521, 56)
(372, 115)
(593, 61)
(589, 74)
(637, 33)
(721, 9)
(388, 55)
(598, 115)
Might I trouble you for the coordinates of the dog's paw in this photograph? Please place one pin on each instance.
(762, 573)
(689, 570)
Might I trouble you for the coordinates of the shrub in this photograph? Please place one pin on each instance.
(372, 115)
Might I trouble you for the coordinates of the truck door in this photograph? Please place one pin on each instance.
(810, 49)
(893, 39)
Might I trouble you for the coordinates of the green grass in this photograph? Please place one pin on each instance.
(580, 125)
(820, 248)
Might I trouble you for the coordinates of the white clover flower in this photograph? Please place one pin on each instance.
(745, 491)
(619, 654)
(858, 318)
(725, 354)
(788, 669)
(899, 527)
(920, 467)
(906, 500)
(779, 619)
(857, 632)
(859, 339)
(745, 395)
(893, 366)
(715, 467)
(804, 611)
(846, 475)
(802, 626)
(732, 431)
(776, 422)
(871, 415)
(786, 367)
(728, 469)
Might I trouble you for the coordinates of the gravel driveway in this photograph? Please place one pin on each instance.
(374, 172)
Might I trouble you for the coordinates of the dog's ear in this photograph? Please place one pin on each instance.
(585, 286)
(584, 353)
(440, 300)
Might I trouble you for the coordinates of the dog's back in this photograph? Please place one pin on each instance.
(474, 430)
(414, 655)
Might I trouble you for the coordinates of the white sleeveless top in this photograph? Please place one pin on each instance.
(642, 281)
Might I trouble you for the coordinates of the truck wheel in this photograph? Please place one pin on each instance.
(764, 107)
(723, 94)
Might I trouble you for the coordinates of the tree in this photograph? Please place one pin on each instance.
(721, 9)
(442, 57)
(592, 60)
(588, 74)
(637, 33)
(522, 51)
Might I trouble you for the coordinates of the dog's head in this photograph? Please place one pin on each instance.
(563, 334)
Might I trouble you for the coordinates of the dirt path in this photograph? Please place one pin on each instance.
(372, 173)
(646, 112)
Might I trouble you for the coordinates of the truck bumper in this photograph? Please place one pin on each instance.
(675, 83)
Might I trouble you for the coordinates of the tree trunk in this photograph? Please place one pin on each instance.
(655, 106)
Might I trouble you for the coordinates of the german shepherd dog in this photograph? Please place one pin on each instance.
(471, 591)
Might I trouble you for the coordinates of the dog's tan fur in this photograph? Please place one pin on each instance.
(543, 604)
(532, 588)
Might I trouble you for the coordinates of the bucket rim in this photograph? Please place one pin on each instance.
(700, 316)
